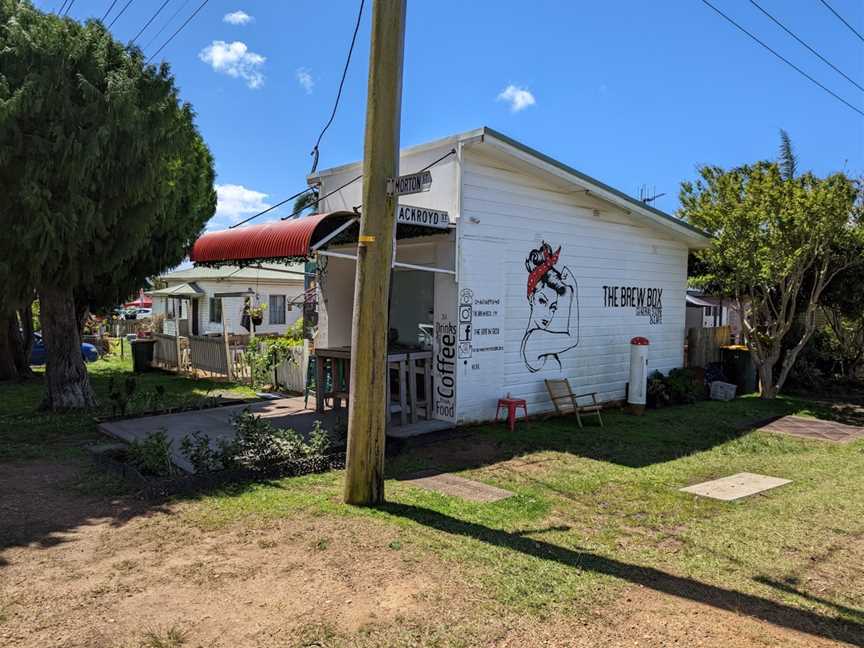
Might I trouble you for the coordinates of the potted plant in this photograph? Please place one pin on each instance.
(256, 314)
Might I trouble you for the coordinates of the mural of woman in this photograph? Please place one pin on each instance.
(554, 302)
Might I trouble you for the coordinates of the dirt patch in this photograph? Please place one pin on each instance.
(106, 580)
(90, 571)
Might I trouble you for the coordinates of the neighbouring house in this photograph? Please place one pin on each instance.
(197, 296)
(511, 267)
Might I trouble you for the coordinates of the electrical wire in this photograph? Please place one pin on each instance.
(785, 60)
(320, 198)
(59, 11)
(271, 208)
(168, 22)
(152, 18)
(111, 6)
(69, 8)
(426, 168)
(179, 29)
(314, 152)
(841, 19)
(122, 11)
(821, 58)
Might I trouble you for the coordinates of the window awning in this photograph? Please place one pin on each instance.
(288, 240)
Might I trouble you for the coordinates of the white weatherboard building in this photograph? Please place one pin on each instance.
(536, 271)
(279, 288)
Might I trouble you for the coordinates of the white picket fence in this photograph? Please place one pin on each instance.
(291, 373)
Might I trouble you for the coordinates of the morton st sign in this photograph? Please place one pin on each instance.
(409, 184)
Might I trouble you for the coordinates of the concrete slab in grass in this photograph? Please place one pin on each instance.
(456, 486)
(736, 486)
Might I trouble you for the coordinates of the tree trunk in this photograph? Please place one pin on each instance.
(25, 315)
(8, 368)
(66, 380)
(767, 389)
(21, 344)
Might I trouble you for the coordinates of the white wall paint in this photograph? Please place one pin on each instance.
(233, 306)
(506, 215)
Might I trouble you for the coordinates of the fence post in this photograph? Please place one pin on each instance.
(228, 364)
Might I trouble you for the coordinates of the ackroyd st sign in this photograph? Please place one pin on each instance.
(409, 184)
(407, 215)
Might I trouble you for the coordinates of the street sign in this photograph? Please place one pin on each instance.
(408, 215)
(409, 184)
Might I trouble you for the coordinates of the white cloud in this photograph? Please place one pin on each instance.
(519, 98)
(237, 18)
(235, 59)
(234, 203)
(304, 78)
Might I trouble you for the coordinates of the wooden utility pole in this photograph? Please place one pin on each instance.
(368, 411)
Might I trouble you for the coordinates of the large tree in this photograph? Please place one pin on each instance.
(104, 176)
(778, 240)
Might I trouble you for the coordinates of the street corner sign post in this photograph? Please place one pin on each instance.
(409, 184)
(435, 218)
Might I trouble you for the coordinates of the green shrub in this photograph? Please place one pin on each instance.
(683, 387)
(657, 391)
(257, 445)
(264, 354)
(152, 456)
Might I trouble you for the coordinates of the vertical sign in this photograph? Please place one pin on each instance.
(481, 328)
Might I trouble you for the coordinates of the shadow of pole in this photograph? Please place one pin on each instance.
(853, 612)
(717, 597)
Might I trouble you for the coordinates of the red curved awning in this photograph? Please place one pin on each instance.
(289, 239)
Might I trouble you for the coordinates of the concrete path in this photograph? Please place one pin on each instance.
(216, 423)
(736, 486)
(455, 486)
(817, 429)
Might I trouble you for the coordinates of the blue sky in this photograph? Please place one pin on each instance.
(630, 92)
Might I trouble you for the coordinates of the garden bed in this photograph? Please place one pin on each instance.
(114, 458)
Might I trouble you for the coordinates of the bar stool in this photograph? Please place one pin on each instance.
(511, 405)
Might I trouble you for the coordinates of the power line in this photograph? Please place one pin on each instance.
(152, 18)
(269, 209)
(426, 168)
(831, 9)
(179, 29)
(113, 2)
(336, 190)
(822, 58)
(785, 60)
(339, 93)
(168, 22)
(59, 11)
(327, 195)
(69, 8)
(122, 11)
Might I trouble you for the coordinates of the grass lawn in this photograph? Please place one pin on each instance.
(26, 433)
(597, 520)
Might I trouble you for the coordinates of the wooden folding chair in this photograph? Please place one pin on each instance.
(566, 402)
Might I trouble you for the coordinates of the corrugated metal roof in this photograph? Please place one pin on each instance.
(289, 239)
(190, 289)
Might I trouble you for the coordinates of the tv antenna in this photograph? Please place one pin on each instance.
(648, 197)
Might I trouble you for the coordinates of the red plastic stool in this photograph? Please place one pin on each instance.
(511, 404)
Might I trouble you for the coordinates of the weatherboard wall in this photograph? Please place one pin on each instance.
(505, 214)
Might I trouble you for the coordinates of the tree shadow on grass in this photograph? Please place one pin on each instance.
(750, 605)
(631, 441)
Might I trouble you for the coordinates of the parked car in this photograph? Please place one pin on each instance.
(144, 313)
(37, 355)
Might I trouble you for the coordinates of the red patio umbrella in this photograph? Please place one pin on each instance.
(142, 302)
